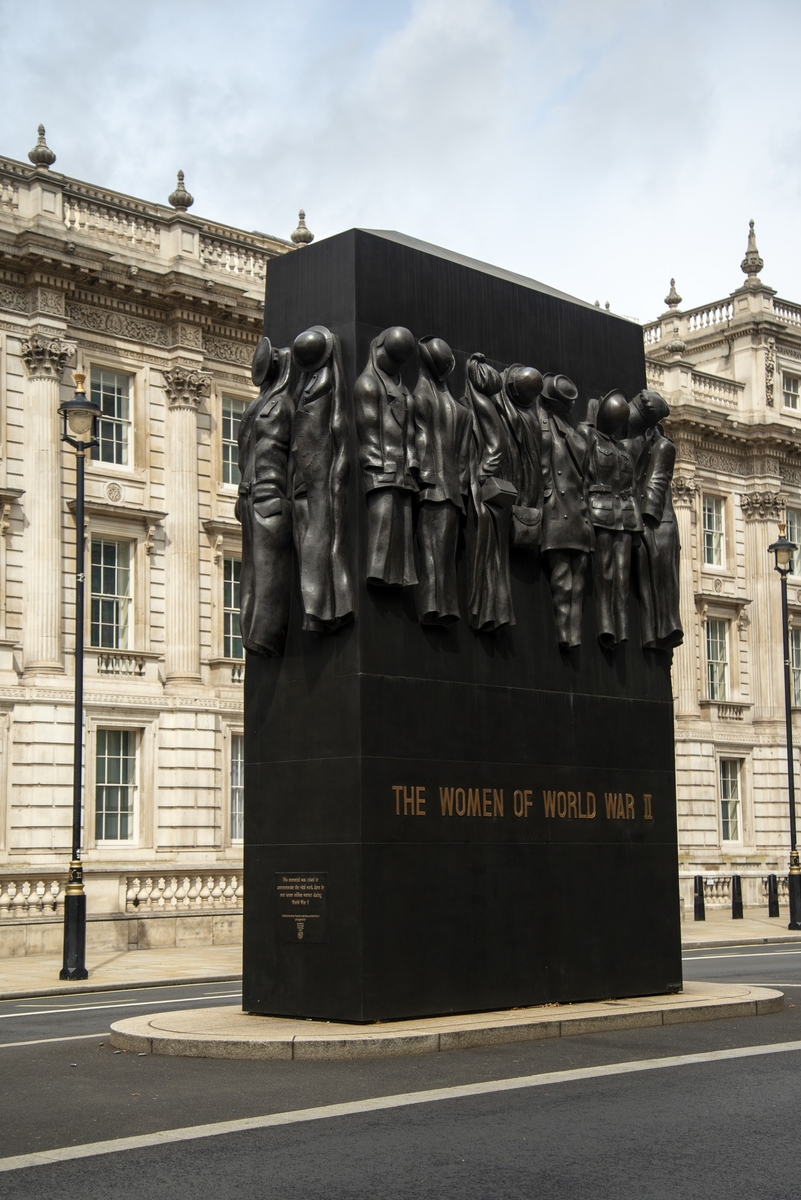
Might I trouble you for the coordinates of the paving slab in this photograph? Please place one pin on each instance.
(227, 1032)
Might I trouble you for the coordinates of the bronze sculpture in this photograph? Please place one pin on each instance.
(263, 506)
(657, 556)
(614, 513)
(388, 458)
(522, 467)
(321, 469)
(442, 427)
(567, 535)
(490, 602)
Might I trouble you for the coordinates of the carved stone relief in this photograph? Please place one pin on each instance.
(762, 506)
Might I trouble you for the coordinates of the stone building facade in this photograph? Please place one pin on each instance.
(161, 310)
(731, 372)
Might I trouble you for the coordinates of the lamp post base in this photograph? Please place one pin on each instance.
(794, 887)
(74, 927)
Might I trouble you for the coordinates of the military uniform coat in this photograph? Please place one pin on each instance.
(565, 519)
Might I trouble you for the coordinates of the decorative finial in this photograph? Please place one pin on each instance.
(673, 299)
(676, 345)
(42, 155)
(181, 199)
(302, 235)
(80, 379)
(607, 306)
(752, 264)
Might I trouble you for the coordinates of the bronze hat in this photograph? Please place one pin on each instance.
(262, 360)
(437, 355)
(559, 387)
(312, 348)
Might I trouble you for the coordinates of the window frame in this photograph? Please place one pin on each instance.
(129, 600)
(739, 799)
(793, 517)
(134, 733)
(232, 611)
(716, 498)
(139, 435)
(229, 485)
(794, 408)
(725, 662)
(236, 738)
(126, 423)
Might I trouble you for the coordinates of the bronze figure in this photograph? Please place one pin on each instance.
(522, 467)
(442, 427)
(657, 557)
(567, 534)
(388, 458)
(321, 468)
(263, 506)
(614, 513)
(490, 602)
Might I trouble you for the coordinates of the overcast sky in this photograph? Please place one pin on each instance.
(598, 145)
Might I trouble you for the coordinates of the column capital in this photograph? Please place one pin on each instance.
(685, 489)
(186, 388)
(762, 506)
(45, 356)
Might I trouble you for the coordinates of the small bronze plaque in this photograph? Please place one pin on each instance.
(301, 906)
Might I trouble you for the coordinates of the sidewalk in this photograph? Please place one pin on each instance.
(37, 975)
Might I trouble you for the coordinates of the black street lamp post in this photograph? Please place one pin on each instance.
(79, 417)
(782, 551)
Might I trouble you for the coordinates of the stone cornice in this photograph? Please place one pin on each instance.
(46, 357)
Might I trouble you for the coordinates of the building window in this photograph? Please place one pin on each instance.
(713, 531)
(237, 787)
(794, 535)
(790, 386)
(111, 594)
(730, 816)
(795, 659)
(717, 659)
(113, 393)
(231, 416)
(115, 778)
(232, 638)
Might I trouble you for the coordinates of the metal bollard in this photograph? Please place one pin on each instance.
(773, 896)
(699, 911)
(736, 898)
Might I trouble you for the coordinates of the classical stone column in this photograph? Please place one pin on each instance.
(685, 658)
(185, 389)
(762, 512)
(45, 357)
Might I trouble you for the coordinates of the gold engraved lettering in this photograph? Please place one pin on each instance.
(572, 807)
(420, 793)
(497, 802)
(629, 806)
(649, 816)
(549, 800)
(486, 803)
(446, 801)
(591, 809)
(461, 802)
(561, 803)
(397, 789)
(474, 803)
(408, 802)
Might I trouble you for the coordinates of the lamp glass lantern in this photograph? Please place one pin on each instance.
(79, 416)
(782, 550)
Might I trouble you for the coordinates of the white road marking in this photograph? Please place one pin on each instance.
(71, 1008)
(75, 1037)
(325, 1112)
(757, 954)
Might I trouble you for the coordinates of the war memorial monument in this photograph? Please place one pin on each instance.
(459, 602)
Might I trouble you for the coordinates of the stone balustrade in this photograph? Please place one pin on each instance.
(177, 893)
(120, 663)
(234, 258)
(711, 388)
(790, 314)
(110, 223)
(40, 895)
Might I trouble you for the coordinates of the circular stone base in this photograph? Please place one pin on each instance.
(227, 1032)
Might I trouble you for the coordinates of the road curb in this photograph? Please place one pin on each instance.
(76, 989)
(227, 1032)
(719, 944)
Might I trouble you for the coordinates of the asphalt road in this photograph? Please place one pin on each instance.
(625, 1125)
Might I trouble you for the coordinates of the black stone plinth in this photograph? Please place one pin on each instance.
(460, 821)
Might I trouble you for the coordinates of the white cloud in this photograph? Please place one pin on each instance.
(600, 147)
